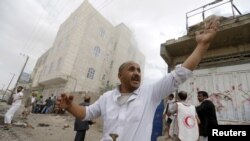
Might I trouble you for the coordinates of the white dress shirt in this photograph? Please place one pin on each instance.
(17, 99)
(133, 120)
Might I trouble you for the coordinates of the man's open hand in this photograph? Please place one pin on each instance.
(64, 101)
(208, 33)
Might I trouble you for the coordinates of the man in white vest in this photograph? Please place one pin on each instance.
(185, 124)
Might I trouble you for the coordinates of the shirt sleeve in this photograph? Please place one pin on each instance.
(181, 74)
(170, 83)
(93, 110)
(173, 108)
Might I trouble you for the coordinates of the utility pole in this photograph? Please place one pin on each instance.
(13, 75)
(18, 79)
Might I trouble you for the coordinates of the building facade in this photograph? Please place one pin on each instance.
(86, 54)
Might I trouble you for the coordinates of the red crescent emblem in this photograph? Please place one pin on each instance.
(189, 121)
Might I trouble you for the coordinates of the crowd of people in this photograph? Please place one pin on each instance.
(32, 104)
(189, 122)
(128, 110)
(48, 106)
(37, 105)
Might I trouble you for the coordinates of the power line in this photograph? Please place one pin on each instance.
(50, 23)
(32, 39)
(33, 30)
(90, 13)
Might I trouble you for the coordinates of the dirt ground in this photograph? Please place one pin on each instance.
(44, 127)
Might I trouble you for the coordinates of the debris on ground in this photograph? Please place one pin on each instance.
(20, 124)
(43, 125)
(65, 126)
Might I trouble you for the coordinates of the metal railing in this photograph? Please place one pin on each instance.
(205, 8)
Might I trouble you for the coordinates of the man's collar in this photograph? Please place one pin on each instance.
(206, 100)
(136, 92)
(117, 93)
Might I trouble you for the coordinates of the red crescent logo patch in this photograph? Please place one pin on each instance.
(189, 121)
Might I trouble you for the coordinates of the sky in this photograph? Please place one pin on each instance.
(29, 27)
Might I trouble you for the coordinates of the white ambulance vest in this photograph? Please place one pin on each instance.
(187, 123)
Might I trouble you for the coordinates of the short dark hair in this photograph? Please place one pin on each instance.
(204, 93)
(20, 87)
(123, 65)
(171, 95)
(182, 95)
